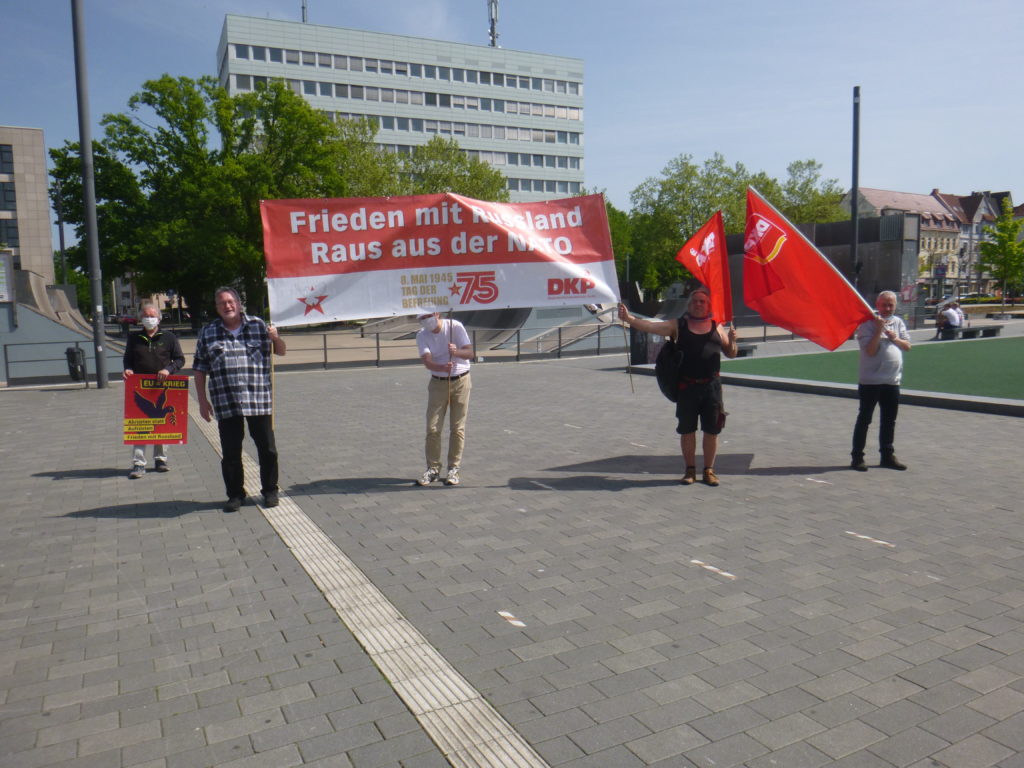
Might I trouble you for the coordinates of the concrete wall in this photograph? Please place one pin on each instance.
(32, 348)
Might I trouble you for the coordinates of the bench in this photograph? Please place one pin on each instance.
(745, 349)
(970, 332)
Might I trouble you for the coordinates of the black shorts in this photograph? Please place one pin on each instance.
(703, 401)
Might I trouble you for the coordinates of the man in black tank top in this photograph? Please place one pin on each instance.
(702, 342)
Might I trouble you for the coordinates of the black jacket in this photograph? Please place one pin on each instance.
(151, 354)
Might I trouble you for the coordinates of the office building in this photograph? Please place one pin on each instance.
(24, 203)
(520, 112)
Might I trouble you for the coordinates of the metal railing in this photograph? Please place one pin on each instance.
(355, 348)
(46, 367)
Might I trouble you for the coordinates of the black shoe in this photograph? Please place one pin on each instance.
(161, 465)
(270, 499)
(233, 504)
(891, 462)
(859, 465)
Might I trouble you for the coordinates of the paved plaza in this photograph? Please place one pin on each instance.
(574, 605)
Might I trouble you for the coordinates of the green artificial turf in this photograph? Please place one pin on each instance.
(985, 367)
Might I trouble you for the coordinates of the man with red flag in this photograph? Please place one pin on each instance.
(706, 257)
(791, 284)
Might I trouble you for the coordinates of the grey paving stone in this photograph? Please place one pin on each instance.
(215, 610)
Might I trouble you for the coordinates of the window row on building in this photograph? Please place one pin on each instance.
(549, 186)
(405, 69)
(416, 98)
(552, 162)
(9, 233)
(8, 200)
(6, 158)
(468, 130)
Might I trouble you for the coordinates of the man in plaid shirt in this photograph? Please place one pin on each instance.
(233, 356)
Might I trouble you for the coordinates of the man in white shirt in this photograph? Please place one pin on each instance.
(445, 349)
(952, 316)
(883, 340)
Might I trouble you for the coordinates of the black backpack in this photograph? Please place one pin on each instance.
(666, 369)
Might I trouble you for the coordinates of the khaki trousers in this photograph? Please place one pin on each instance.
(437, 406)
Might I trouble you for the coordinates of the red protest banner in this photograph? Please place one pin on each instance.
(349, 258)
(155, 411)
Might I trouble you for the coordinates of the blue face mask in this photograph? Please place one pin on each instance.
(428, 323)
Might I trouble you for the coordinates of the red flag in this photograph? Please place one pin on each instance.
(791, 284)
(705, 255)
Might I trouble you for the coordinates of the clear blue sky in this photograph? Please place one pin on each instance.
(763, 83)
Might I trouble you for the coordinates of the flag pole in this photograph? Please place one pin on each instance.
(629, 363)
(451, 357)
(815, 248)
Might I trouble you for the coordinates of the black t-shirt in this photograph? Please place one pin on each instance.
(702, 353)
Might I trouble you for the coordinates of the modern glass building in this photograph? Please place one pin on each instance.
(520, 112)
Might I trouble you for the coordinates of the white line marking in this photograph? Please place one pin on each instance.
(573, 426)
(467, 729)
(823, 482)
(638, 445)
(511, 619)
(545, 487)
(712, 568)
(868, 538)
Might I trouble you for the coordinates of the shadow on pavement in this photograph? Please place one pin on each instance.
(83, 474)
(587, 483)
(149, 509)
(731, 463)
(352, 485)
(773, 471)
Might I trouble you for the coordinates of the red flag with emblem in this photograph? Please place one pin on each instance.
(706, 256)
(791, 284)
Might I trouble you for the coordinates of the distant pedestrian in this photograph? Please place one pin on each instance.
(445, 349)
(156, 352)
(883, 340)
(233, 357)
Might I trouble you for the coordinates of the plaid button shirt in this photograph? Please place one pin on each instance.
(237, 367)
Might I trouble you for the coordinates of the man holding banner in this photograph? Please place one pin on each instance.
(702, 341)
(156, 352)
(445, 350)
(233, 355)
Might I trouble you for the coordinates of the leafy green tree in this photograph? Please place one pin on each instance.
(79, 280)
(441, 166)
(809, 199)
(667, 210)
(1003, 256)
(179, 181)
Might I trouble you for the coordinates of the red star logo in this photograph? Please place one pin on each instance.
(314, 305)
(454, 289)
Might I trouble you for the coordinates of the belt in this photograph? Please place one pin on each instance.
(685, 381)
(451, 378)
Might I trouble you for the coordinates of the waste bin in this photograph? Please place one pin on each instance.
(76, 363)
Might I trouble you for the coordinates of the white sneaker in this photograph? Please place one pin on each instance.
(453, 476)
(139, 470)
(428, 477)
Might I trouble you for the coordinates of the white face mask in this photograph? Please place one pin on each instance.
(150, 323)
(428, 323)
